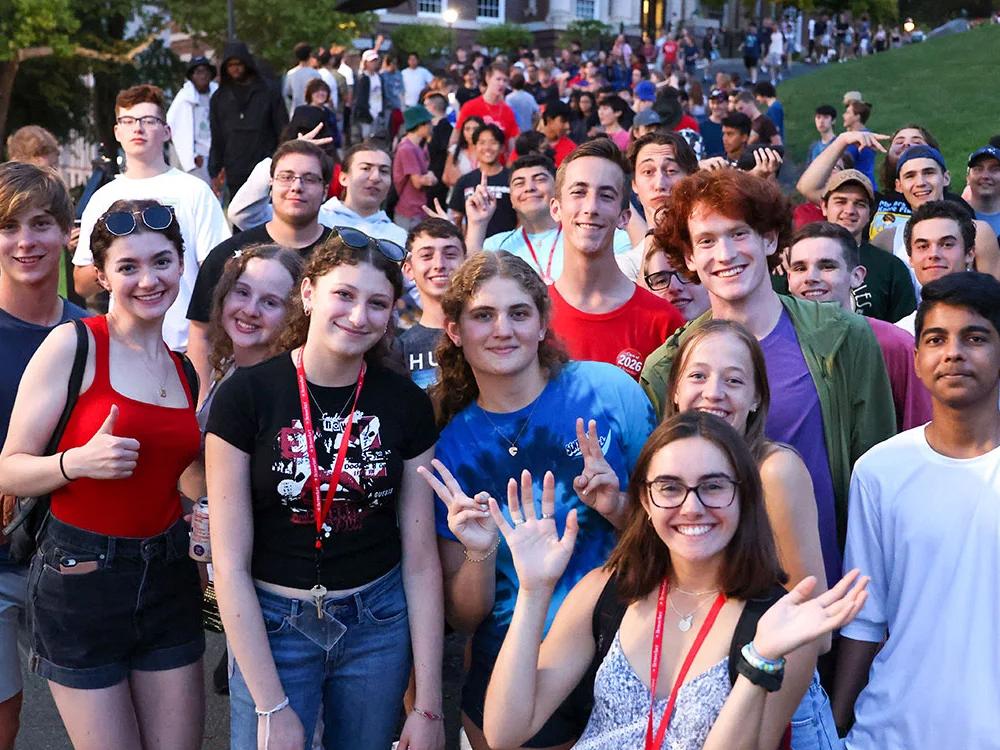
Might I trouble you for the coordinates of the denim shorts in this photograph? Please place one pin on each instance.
(359, 681)
(101, 606)
(563, 726)
(813, 727)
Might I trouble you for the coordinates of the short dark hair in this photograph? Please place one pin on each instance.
(299, 146)
(302, 51)
(556, 108)
(942, 210)
(101, 238)
(765, 89)
(436, 101)
(738, 121)
(616, 103)
(495, 130)
(533, 160)
(366, 145)
(862, 109)
(314, 85)
(532, 142)
(975, 291)
(517, 81)
(600, 148)
(827, 110)
(684, 155)
(435, 227)
(323, 56)
(144, 93)
(830, 231)
(496, 68)
(746, 97)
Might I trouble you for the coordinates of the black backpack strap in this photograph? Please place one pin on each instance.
(746, 627)
(73, 388)
(192, 377)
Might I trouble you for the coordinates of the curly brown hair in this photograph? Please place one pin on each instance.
(457, 386)
(641, 560)
(332, 253)
(731, 192)
(220, 346)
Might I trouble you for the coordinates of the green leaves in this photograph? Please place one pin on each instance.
(35, 23)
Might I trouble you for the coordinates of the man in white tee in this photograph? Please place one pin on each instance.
(142, 130)
(415, 79)
(924, 524)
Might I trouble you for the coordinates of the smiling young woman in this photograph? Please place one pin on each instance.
(115, 600)
(322, 532)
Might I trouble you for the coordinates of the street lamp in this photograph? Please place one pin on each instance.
(909, 26)
(450, 16)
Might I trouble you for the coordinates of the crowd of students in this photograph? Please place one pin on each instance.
(680, 460)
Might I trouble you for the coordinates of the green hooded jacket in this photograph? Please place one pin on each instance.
(847, 368)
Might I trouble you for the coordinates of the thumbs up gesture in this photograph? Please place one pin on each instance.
(104, 456)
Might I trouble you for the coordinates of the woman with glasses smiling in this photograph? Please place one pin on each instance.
(115, 602)
(323, 547)
(697, 647)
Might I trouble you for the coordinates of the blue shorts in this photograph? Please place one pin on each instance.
(101, 606)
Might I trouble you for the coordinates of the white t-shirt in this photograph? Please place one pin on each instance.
(199, 215)
(414, 81)
(545, 244)
(926, 528)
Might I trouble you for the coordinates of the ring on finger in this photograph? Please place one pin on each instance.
(518, 520)
(546, 516)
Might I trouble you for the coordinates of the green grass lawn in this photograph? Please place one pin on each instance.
(951, 86)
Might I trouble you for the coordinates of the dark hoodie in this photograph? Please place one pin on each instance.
(246, 119)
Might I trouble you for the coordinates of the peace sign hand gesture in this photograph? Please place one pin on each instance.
(540, 556)
(795, 619)
(468, 518)
(597, 486)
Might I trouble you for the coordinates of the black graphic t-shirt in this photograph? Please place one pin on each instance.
(257, 411)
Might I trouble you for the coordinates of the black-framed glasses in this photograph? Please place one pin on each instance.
(307, 180)
(659, 280)
(147, 121)
(669, 493)
(358, 240)
(121, 223)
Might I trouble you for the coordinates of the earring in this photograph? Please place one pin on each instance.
(307, 311)
(541, 336)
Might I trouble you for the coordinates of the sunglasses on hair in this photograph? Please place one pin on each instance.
(358, 240)
(121, 223)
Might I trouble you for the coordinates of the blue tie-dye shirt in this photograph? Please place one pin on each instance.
(478, 457)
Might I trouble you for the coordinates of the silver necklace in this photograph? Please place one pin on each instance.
(512, 449)
(161, 385)
(330, 423)
(686, 620)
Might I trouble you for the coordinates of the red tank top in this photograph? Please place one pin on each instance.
(148, 502)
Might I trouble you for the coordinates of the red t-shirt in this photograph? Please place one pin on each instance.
(806, 213)
(561, 150)
(670, 52)
(624, 337)
(498, 114)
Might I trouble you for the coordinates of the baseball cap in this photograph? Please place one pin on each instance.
(197, 62)
(852, 96)
(645, 91)
(990, 152)
(844, 176)
(368, 55)
(920, 152)
(718, 94)
(646, 117)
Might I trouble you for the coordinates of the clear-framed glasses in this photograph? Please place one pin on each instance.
(668, 493)
(659, 280)
(121, 223)
(148, 121)
(289, 178)
(358, 240)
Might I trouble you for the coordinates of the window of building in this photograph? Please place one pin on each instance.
(586, 9)
(430, 6)
(490, 9)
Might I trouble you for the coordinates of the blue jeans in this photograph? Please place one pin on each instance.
(813, 727)
(359, 683)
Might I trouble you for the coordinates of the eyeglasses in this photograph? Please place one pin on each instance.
(358, 240)
(659, 280)
(121, 223)
(718, 492)
(289, 178)
(147, 122)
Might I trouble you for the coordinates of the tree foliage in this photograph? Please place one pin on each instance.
(589, 34)
(424, 39)
(271, 28)
(34, 23)
(505, 37)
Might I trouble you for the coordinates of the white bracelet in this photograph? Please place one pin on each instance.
(266, 715)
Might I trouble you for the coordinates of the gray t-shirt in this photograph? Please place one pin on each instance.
(294, 89)
(524, 106)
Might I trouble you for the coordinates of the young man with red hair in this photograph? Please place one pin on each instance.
(831, 397)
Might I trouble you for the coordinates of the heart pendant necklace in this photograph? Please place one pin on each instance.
(512, 448)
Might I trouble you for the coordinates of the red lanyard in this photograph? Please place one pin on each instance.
(654, 664)
(320, 508)
(547, 273)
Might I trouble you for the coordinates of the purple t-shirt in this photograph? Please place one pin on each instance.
(795, 418)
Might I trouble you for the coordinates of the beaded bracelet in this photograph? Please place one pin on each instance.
(485, 557)
(428, 714)
(753, 657)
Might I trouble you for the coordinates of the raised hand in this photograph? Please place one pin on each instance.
(767, 162)
(540, 556)
(481, 204)
(864, 139)
(438, 211)
(104, 456)
(795, 619)
(468, 518)
(597, 485)
(714, 163)
(311, 136)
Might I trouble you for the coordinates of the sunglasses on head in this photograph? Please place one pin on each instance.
(121, 223)
(358, 240)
